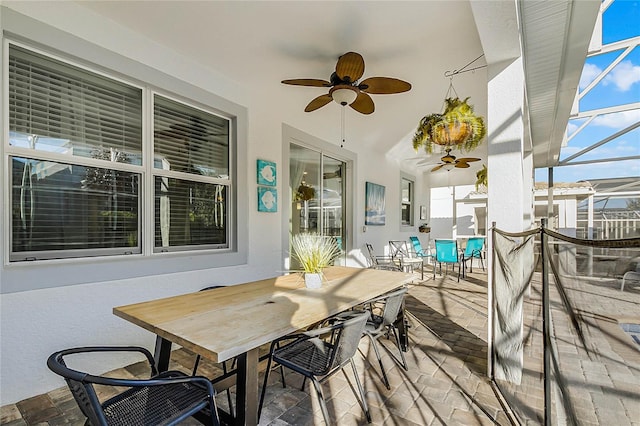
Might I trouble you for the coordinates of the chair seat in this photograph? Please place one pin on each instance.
(373, 324)
(309, 356)
(156, 404)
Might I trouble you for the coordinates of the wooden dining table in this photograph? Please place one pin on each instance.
(234, 321)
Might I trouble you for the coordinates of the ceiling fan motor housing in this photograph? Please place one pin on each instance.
(344, 94)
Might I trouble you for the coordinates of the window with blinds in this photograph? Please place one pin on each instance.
(191, 164)
(77, 158)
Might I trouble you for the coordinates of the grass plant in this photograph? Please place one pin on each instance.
(314, 252)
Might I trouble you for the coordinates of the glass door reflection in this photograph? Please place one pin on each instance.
(316, 182)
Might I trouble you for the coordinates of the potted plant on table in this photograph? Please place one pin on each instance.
(314, 253)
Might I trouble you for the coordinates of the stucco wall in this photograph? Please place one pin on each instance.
(35, 323)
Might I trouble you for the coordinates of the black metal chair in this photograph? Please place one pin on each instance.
(166, 398)
(225, 369)
(319, 353)
(381, 325)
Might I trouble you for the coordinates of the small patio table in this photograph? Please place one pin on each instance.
(235, 321)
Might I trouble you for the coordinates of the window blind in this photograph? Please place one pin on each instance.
(190, 140)
(54, 106)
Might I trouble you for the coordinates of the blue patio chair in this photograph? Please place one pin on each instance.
(472, 250)
(417, 247)
(447, 253)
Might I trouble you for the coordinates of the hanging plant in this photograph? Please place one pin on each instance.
(304, 193)
(481, 177)
(457, 127)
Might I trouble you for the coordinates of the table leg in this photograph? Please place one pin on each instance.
(162, 354)
(247, 389)
(401, 326)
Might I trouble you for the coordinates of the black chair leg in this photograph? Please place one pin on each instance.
(323, 404)
(384, 373)
(362, 400)
(404, 361)
(264, 387)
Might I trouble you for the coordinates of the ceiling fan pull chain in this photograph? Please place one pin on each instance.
(342, 127)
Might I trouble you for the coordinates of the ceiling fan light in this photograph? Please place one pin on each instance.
(449, 166)
(344, 96)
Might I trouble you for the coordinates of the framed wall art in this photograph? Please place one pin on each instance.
(267, 199)
(266, 172)
(374, 204)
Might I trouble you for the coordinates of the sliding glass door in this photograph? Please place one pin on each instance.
(318, 187)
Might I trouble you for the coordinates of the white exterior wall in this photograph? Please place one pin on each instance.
(38, 322)
(507, 171)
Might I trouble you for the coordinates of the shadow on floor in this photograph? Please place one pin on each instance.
(460, 340)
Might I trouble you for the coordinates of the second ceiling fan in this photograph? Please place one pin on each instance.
(449, 161)
(345, 88)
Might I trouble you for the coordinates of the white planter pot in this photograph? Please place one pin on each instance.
(313, 280)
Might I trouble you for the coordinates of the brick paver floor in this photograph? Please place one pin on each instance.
(446, 383)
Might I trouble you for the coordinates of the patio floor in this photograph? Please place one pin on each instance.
(446, 383)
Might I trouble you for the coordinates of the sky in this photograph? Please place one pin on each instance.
(621, 86)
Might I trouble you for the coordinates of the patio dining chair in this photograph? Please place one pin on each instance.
(447, 253)
(418, 250)
(320, 353)
(167, 398)
(380, 262)
(385, 323)
(473, 250)
(402, 257)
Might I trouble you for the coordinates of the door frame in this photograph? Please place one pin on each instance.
(292, 135)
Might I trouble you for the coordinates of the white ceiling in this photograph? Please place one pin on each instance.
(259, 43)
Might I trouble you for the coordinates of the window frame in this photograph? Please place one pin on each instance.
(411, 204)
(10, 152)
(172, 174)
(21, 276)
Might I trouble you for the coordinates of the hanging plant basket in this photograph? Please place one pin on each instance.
(458, 127)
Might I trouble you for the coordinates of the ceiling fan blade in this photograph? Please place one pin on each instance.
(363, 104)
(350, 67)
(436, 168)
(469, 159)
(462, 165)
(313, 82)
(318, 102)
(384, 85)
(426, 162)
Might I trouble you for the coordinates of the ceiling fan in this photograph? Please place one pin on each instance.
(450, 161)
(345, 89)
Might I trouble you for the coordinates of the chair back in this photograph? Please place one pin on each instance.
(474, 247)
(81, 384)
(417, 247)
(398, 249)
(347, 339)
(447, 251)
(372, 257)
(392, 306)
